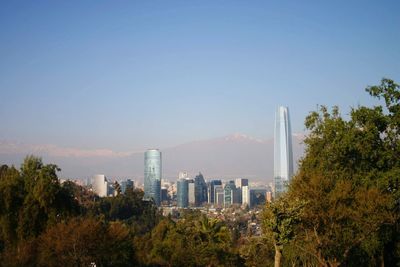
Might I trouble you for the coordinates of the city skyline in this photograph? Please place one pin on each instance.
(228, 157)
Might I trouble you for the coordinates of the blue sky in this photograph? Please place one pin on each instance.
(128, 75)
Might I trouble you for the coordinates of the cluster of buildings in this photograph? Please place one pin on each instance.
(197, 192)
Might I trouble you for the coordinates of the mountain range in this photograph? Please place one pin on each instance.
(228, 157)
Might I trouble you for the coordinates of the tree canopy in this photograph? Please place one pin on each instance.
(349, 182)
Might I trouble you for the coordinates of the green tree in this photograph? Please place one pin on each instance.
(196, 241)
(257, 251)
(117, 188)
(130, 208)
(349, 179)
(45, 200)
(11, 201)
(280, 219)
(86, 241)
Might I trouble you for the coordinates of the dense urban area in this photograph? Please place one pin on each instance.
(341, 208)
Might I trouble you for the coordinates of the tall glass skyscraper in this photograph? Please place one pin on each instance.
(283, 154)
(152, 175)
(211, 190)
(200, 190)
(182, 197)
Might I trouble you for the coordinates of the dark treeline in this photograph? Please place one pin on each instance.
(45, 223)
(342, 209)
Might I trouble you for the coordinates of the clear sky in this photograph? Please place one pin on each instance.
(127, 75)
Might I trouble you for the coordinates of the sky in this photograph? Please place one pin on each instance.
(126, 75)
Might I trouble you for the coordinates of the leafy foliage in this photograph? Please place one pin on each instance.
(348, 179)
(194, 242)
(281, 218)
(45, 223)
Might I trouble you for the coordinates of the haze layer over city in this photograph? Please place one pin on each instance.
(91, 87)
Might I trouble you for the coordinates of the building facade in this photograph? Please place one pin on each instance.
(128, 183)
(219, 194)
(211, 190)
(258, 196)
(191, 192)
(100, 185)
(240, 183)
(246, 195)
(182, 195)
(229, 193)
(283, 154)
(200, 190)
(152, 175)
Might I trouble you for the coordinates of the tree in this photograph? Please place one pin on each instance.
(257, 251)
(130, 208)
(280, 220)
(30, 200)
(45, 201)
(117, 188)
(85, 241)
(11, 201)
(349, 178)
(194, 241)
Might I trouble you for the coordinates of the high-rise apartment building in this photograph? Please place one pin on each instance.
(283, 155)
(100, 185)
(152, 175)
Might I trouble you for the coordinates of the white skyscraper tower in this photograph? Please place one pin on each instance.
(283, 154)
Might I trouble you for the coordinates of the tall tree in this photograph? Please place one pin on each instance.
(349, 178)
(281, 218)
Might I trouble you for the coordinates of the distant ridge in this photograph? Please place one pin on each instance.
(227, 157)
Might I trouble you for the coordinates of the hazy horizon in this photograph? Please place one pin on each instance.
(110, 78)
(156, 74)
(227, 157)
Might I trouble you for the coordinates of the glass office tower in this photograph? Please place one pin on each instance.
(229, 193)
(211, 190)
(200, 190)
(152, 175)
(182, 196)
(283, 154)
(128, 183)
